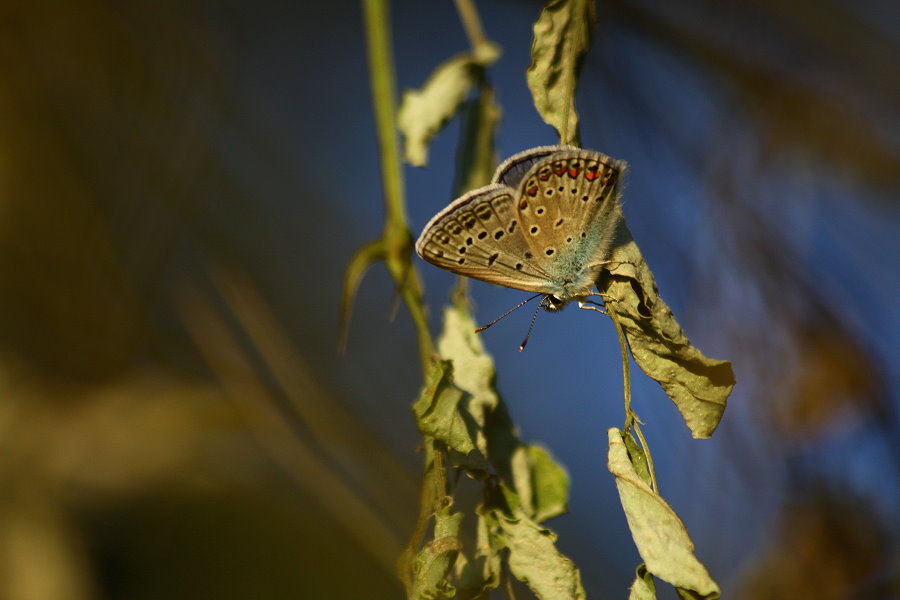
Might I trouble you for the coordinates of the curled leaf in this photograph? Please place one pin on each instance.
(643, 588)
(439, 416)
(658, 533)
(364, 258)
(699, 386)
(433, 563)
(638, 457)
(424, 112)
(562, 36)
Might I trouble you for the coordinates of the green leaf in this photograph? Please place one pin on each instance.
(424, 112)
(638, 458)
(699, 386)
(550, 485)
(473, 367)
(658, 533)
(562, 36)
(433, 563)
(535, 561)
(438, 415)
(643, 588)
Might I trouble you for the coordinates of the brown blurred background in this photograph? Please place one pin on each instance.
(182, 184)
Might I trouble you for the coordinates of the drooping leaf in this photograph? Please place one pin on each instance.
(531, 485)
(562, 36)
(534, 481)
(535, 560)
(424, 112)
(658, 533)
(699, 386)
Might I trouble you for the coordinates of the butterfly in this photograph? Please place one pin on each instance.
(544, 224)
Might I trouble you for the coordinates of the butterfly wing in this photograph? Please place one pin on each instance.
(479, 235)
(568, 213)
(512, 170)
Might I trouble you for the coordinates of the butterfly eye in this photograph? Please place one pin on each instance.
(554, 302)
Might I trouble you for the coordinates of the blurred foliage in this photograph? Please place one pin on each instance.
(828, 543)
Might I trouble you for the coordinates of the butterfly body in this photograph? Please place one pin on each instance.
(544, 224)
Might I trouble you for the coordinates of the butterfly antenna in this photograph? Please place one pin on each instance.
(517, 306)
(533, 319)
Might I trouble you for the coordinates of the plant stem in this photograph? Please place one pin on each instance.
(472, 24)
(396, 237)
(631, 420)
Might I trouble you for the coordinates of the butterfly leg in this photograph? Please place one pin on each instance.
(615, 262)
(605, 297)
(591, 305)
